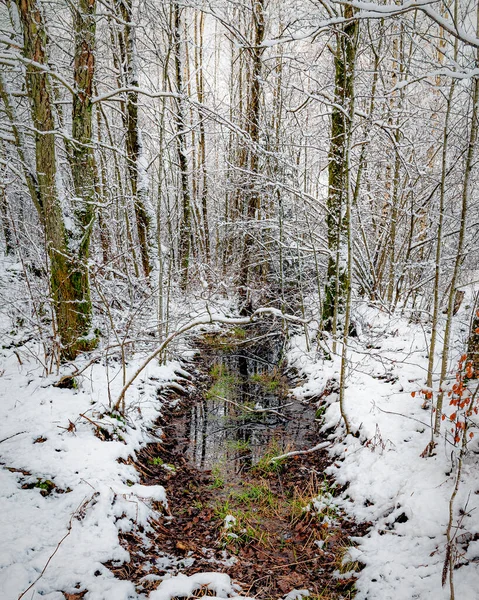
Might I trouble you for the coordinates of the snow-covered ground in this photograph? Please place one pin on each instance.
(65, 494)
(66, 489)
(405, 496)
(45, 438)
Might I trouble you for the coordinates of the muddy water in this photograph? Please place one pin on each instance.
(246, 412)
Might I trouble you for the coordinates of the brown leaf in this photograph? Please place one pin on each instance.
(181, 546)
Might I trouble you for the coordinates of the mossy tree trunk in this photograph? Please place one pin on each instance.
(83, 158)
(341, 121)
(72, 305)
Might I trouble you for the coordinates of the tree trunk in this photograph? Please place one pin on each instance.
(199, 29)
(7, 231)
(253, 198)
(184, 243)
(341, 120)
(82, 161)
(72, 307)
(134, 146)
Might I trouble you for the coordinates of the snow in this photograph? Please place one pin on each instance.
(95, 495)
(404, 496)
(181, 586)
(57, 540)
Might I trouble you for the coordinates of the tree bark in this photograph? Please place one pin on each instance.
(341, 121)
(184, 242)
(253, 113)
(134, 145)
(71, 305)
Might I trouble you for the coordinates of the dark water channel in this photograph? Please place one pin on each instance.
(246, 413)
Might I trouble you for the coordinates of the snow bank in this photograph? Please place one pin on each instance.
(65, 493)
(405, 496)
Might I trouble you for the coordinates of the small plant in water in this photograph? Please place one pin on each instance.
(217, 370)
(271, 381)
(265, 466)
(223, 386)
(239, 332)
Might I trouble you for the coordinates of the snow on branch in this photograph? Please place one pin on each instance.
(371, 10)
(136, 90)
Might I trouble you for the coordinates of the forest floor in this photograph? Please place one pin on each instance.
(103, 506)
(272, 526)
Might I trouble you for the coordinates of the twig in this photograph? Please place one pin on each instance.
(255, 410)
(77, 510)
(88, 419)
(298, 452)
(12, 436)
(48, 561)
(51, 556)
(449, 560)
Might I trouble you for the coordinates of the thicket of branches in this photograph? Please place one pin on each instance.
(291, 154)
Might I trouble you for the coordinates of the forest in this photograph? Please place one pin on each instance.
(239, 299)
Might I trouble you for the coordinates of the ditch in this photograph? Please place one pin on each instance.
(273, 526)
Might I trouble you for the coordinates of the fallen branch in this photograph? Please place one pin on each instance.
(298, 452)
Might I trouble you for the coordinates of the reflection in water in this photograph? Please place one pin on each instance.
(226, 430)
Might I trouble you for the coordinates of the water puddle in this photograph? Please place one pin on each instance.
(246, 412)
